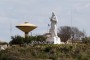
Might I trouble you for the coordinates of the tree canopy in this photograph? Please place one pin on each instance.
(67, 32)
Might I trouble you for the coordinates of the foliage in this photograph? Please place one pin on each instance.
(64, 33)
(46, 52)
(17, 40)
(21, 40)
(86, 40)
(67, 32)
(37, 38)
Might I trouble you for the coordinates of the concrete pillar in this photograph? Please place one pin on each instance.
(26, 34)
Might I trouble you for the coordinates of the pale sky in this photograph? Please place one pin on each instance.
(69, 13)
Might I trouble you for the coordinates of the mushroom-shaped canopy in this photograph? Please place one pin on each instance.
(26, 27)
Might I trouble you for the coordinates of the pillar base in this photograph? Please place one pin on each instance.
(54, 40)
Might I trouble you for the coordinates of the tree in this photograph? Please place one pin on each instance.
(67, 32)
(77, 34)
(16, 40)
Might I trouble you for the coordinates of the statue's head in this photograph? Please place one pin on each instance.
(53, 17)
(53, 14)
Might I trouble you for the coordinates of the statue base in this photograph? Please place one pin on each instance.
(54, 40)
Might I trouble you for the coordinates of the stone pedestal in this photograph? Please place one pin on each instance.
(54, 40)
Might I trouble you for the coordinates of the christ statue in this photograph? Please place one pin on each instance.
(53, 29)
(53, 39)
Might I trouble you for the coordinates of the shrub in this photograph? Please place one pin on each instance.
(53, 52)
(16, 40)
(21, 40)
(86, 40)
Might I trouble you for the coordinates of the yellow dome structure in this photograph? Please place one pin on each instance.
(26, 27)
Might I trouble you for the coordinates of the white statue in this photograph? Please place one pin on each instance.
(53, 31)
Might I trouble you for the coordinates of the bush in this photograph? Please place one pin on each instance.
(21, 40)
(53, 52)
(16, 40)
(86, 40)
